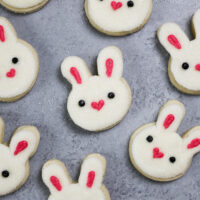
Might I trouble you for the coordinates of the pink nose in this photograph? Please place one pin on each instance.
(11, 73)
(157, 153)
(98, 105)
(197, 67)
(116, 5)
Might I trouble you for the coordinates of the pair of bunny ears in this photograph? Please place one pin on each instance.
(22, 6)
(109, 64)
(23, 143)
(174, 39)
(57, 179)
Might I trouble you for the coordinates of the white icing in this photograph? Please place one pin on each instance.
(124, 19)
(174, 108)
(193, 133)
(26, 68)
(23, 3)
(96, 88)
(76, 191)
(190, 53)
(168, 142)
(16, 165)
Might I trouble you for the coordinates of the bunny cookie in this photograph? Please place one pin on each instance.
(19, 64)
(97, 102)
(89, 186)
(14, 159)
(184, 63)
(119, 17)
(23, 6)
(158, 152)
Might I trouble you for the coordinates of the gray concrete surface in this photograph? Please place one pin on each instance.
(61, 29)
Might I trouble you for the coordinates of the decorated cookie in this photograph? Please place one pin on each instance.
(97, 102)
(184, 63)
(23, 6)
(19, 64)
(90, 184)
(119, 17)
(14, 158)
(158, 152)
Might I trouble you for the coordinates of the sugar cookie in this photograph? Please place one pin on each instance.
(14, 158)
(184, 63)
(19, 64)
(119, 17)
(90, 184)
(158, 152)
(23, 6)
(95, 102)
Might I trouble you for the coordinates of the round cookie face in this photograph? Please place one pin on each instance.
(22, 6)
(120, 17)
(95, 101)
(158, 152)
(184, 64)
(89, 186)
(19, 64)
(14, 159)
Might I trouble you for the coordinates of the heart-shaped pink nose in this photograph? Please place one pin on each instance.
(197, 67)
(98, 105)
(116, 5)
(157, 153)
(11, 73)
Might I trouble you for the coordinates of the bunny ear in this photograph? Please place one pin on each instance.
(7, 31)
(196, 24)
(192, 140)
(2, 126)
(24, 142)
(170, 116)
(92, 171)
(110, 62)
(75, 70)
(172, 38)
(55, 176)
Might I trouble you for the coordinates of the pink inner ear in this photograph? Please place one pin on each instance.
(20, 147)
(56, 183)
(75, 73)
(109, 67)
(194, 143)
(91, 177)
(2, 34)
(168, 121)
(174, 41)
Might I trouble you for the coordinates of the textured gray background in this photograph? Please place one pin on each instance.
(61, 29)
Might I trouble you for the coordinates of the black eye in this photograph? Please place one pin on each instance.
(5, 174)
(185, 66)
(130, 4)
(111, 95)
(81, 103)
(172, 159)
(15, 60)
(149, 138)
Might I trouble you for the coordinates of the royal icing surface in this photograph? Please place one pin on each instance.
(184, 65)
(122, 16)
(95, 102)
(18, 64)
(14, 158)
(22, 3)
(158, 152)
(89, 186)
